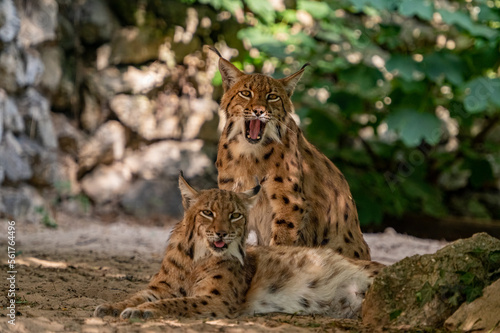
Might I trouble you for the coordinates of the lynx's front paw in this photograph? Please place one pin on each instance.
(107, 309)
(137, 313)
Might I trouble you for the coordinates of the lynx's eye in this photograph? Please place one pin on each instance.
(235, 216)
(245, 93)
(272, 97)
(207, 213)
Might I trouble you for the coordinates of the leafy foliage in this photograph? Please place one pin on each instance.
(404, 95)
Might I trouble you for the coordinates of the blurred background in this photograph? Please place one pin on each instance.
(102, 102)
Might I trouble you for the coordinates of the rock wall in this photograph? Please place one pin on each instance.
(102, 103)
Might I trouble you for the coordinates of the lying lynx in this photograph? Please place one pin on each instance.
(206, 271)
(306, 200)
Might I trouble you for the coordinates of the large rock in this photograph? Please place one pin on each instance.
(105, 146)
(106, 183)
(164, 159)
(51, 78)
(69, 138)
(423, 291)
(95, 23)
(43, 161)
(65, 178)
(482, 315)
(153, 198)
(19, 68)
(133, 45)
(137, 113)
(9, 21)
(13, 161)
(92, 115)
(112, 81)
(199, 111)
(38, 22)
(169, 117)
(35, 109)
(10, 118)
(31, 72)
(22, 203)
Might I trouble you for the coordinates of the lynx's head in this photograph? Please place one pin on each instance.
(219, 218)
(256, 105)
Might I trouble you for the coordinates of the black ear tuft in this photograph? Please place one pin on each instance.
(256, 190)
(213, 49)
(305, 65)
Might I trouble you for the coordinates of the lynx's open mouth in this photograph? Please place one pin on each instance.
(253, 130)
(219, 245)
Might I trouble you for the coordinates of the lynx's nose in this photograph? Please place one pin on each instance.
(259, 110)
(221, 234)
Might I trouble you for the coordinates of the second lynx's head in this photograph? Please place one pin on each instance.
(220, 217)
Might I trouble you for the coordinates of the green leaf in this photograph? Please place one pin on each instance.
(317, 9)
(404, 65)
(480, 92)
(264, 41)
(495, 93)
(448, 65)
(414, 126)
(481, 172)
(423, 9)
(425, 294)
(467, 278)
(464, 21)
(494, 257)
(377, 4)
(360, 79)
(357, 157)
(473, 292)
(232, 5)
(487, 14)
(369, 209)
(477, 209)
(262, 8)
(394, 314)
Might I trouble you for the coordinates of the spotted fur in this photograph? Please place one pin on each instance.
(306, 201)
(208, 272)
(202, 273)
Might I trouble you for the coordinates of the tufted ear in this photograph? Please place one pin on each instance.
(189, 194)
(291, 81)
(250, 197)
(230, 74)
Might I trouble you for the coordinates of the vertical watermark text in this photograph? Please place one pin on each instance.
(11, 273)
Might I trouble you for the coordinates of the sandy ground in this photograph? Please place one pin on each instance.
(63, 274)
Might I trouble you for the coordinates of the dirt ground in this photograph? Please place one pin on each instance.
(64, 273)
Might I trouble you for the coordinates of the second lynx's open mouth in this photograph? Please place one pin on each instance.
(219, 245)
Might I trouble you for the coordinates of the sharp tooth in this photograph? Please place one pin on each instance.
(248, 136)
(258, 138)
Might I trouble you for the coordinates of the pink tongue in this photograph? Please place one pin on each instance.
(254, 128)
(219, 243)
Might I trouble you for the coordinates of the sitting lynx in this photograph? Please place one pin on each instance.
(306, 200)
(206, 271)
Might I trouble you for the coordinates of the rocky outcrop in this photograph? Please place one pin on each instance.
(482, 315)
(104, 106)
(424, 291)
